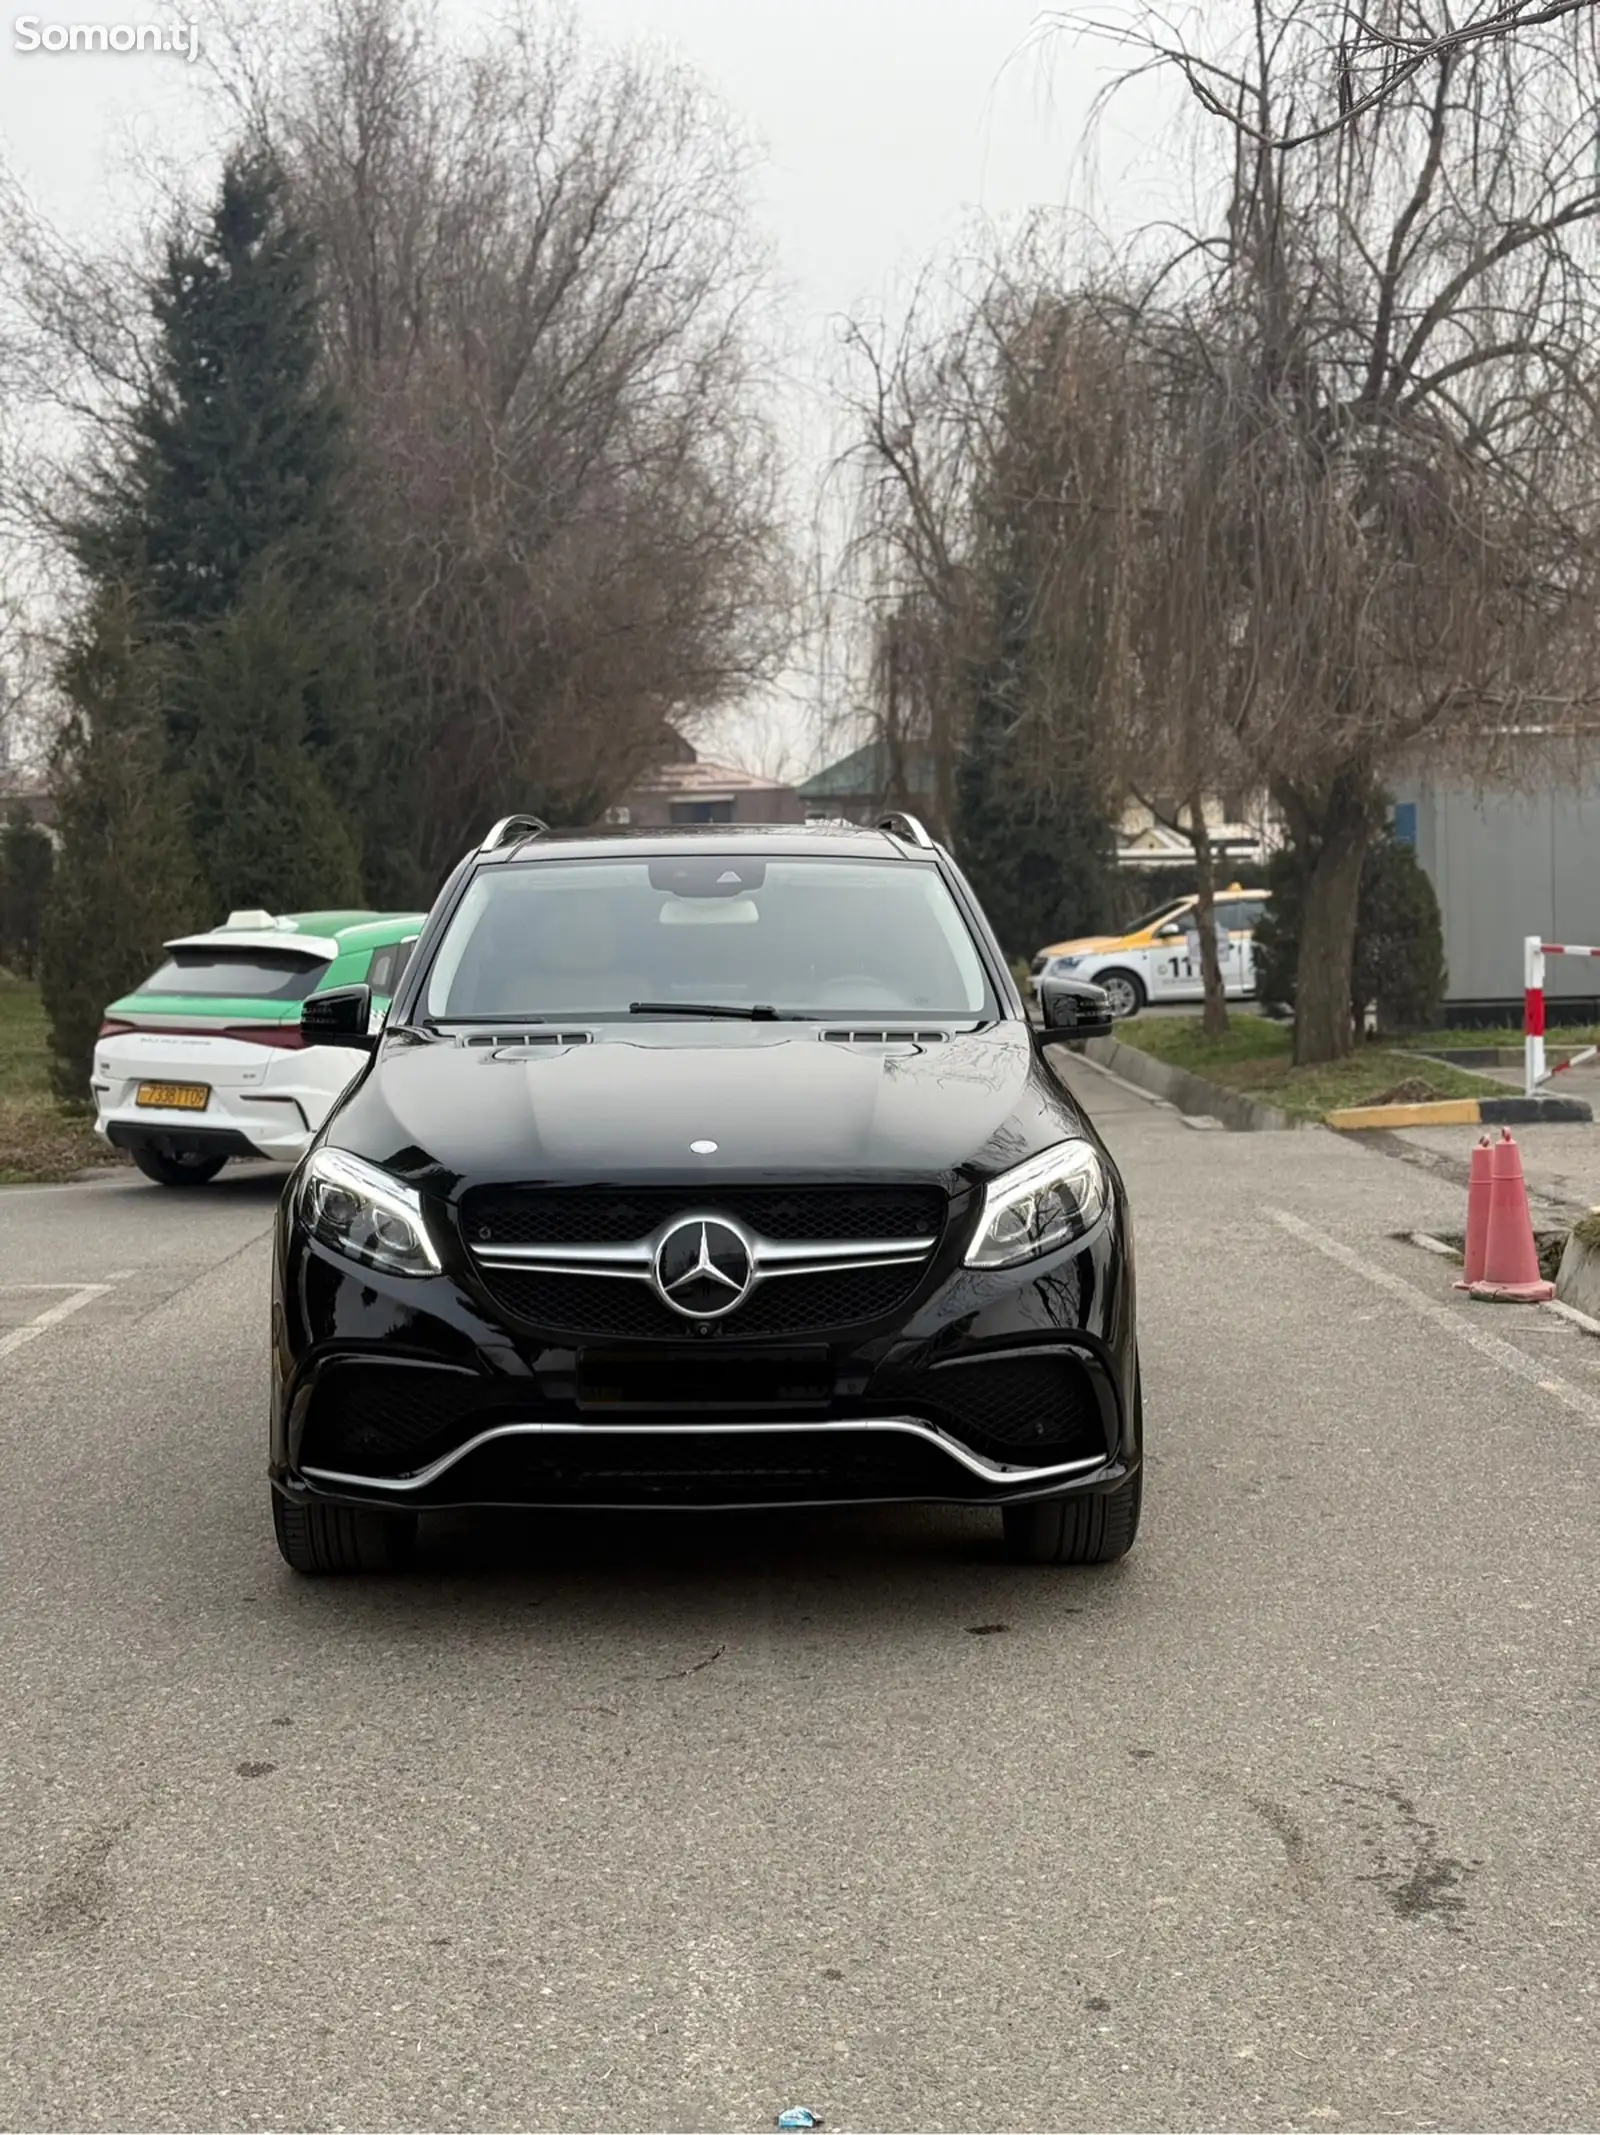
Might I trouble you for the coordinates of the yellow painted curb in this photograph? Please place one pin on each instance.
(1443, 1112)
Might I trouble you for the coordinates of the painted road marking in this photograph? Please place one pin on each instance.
(1509, 1358)
(80, 1294)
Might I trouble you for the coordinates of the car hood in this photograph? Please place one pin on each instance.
(773, 1102)
(1088, 943)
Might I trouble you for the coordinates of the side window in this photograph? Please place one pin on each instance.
(383, 974)
(1240, 914)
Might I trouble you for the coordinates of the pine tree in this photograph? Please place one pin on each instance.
(264, 829)
(1031, 823)
(124, 879)
(1037, 851)
(26, 860)
(234, 473)
(1040, 860)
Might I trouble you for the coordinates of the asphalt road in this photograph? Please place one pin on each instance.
(1287, 1822)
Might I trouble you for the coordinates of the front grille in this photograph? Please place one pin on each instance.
(770, 1467)
(616, 1308)
(564, 1215)
(1032, 1410)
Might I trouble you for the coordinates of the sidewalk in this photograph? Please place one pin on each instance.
(1560, 1162)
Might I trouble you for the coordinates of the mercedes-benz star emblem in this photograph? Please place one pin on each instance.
(703, 1268)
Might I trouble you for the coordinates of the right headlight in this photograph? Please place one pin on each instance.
(1042, 1204)
(365, 1214)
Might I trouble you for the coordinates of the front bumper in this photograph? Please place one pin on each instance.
(993, 1387)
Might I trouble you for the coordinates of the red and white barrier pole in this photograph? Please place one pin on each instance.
(1534, 1071)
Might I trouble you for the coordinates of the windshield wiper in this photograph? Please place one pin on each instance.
(760, 1013)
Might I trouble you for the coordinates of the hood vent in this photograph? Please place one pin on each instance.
(517, 1041)
(884, 1037)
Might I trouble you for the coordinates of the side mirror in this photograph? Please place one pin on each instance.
(342, 1016)
(1072, 1010)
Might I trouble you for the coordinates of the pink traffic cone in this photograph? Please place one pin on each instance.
(1511, 1258)
(1477, 1212)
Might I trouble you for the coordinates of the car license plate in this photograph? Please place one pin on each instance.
(176, 1096)
(673, 1379)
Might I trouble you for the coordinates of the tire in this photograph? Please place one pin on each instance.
(317, 1538)
(1075, 1530)
(1126, 990)
(193, 1169)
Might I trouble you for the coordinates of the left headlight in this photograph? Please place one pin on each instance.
(1044, 1203)
(365, 1214)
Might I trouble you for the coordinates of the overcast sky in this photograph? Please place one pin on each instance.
(883, 128)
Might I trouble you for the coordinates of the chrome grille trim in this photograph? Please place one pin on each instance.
(570, 1259)
(989, 1471)
(845, 1252)
(769, 1257)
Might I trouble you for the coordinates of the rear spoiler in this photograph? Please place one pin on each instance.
(319, 946)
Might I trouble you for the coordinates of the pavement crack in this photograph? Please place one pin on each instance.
(679, 1675)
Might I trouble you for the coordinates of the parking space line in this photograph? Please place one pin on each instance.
(1505, 1354)
(52, 1315)
(11, 1288)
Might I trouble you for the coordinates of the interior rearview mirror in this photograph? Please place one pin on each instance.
(342, 1016)
(1072, 1010)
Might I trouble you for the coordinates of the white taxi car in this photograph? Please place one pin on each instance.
(205, 1060)
(1157, 959)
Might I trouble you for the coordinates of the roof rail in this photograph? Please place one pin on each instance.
(901, 825)
(512, 829)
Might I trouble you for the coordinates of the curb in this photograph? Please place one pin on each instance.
(1561, 1307)
(1578, 1280)
(1185, 1092)
(1465, 1112)
(1484, 1056)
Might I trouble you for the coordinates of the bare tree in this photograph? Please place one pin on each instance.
(1385, 361)
(990, 547)
(1365, 56)
(542, 299)
(544, 310)
(1182, 715)
(1030, 539)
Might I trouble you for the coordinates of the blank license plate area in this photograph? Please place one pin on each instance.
(175, 1096)
(668, 1380)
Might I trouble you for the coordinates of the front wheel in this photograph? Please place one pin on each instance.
(1076, 1530)
(1124, 991)
(187, 1167)
(341, 1538)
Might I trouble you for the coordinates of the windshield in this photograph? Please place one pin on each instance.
(238, 974)
(805, 937)
(1169, 910)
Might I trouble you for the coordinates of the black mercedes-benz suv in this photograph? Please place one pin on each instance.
(705, 1169)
